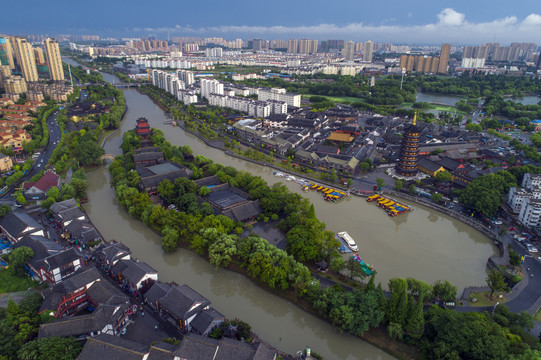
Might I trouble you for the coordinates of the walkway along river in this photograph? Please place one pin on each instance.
(423, 244)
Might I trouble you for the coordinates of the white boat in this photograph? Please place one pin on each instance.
(348, 239)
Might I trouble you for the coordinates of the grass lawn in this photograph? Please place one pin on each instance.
(538, 316)
(9, 282)
(484, 300)
(339, 99)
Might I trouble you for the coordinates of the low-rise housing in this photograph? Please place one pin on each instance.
(17, 224)
(38, 190)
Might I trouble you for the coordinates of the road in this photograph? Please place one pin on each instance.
(42, 160)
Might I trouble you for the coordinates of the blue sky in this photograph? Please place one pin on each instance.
(405, 21)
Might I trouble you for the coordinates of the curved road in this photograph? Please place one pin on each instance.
(42, 160)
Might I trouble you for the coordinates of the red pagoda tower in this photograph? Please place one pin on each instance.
(409, 152)
(142, 128)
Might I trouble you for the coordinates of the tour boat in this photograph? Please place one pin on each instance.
(348, 239)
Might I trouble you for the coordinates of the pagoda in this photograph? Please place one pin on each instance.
(409, 152)
(142, 129)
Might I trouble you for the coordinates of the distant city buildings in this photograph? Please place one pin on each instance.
(368, 50)
(348, 50)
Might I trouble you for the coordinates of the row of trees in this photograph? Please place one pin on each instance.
(476, 86)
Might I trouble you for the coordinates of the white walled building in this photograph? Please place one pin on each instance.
(211, 86)
(530, 212)
(214, 52)
(473, 63)
(280, 95)
(186, 76)
(526, 201)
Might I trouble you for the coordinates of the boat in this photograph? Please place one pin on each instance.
(366, 268)
(348, 240)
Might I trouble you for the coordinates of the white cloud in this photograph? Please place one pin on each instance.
(451, 26)
(532, 20)
(449, 16)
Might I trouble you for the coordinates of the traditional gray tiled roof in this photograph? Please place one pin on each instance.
(195, 347)
(104, 347)
(157, 291)
(16, 222)
(180, 301)
(205, 319)
(161, 351)
(133, 271)
(244, 211)
(41, 246)
(58, 260)
(111, 252)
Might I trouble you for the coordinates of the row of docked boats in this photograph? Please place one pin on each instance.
(393, 207)
(329, 193)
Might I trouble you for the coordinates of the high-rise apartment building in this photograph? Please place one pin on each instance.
(444, 58)
(38, 54)
(211, 86)
(348, 50)
(6, 52)
(368, 51)
(56, 72)
(336, 44)
(186, 76)
(307, 46)
(24, 54)
(292, 46)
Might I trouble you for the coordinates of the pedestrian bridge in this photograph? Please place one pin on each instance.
(107, 156)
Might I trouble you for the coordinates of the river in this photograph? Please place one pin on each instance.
(451, 100)
(423, 244)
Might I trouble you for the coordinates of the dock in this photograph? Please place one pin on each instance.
(391, 206)
(329, 193)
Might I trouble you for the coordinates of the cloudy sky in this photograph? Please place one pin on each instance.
(411, 21)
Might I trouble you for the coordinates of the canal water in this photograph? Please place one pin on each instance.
(423, 244)
(451, 100)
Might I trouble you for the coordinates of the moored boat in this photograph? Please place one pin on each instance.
(348, 240)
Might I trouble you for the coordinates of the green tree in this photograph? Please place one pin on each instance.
(88, 152)
(445, 291)
(398, 185)
(54, 193)
(436, 197)
(415, 322)
(18, 258)
(170, 239)
(444, 176)
(51, 348)
(204, 191)
(354, 269)
(380, 182)
(496, 281)
(395, 331)
(514, 258)
(397, 307)
(222, 250)
(80, 187)
(413, 190)
(4, 210)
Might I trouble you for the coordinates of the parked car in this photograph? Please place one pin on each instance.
(532, 248)
(496, 222)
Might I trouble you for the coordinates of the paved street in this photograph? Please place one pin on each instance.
(42, 160)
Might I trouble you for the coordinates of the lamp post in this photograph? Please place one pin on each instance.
(494, 308)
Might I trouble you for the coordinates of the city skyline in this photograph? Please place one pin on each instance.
(457, 22)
